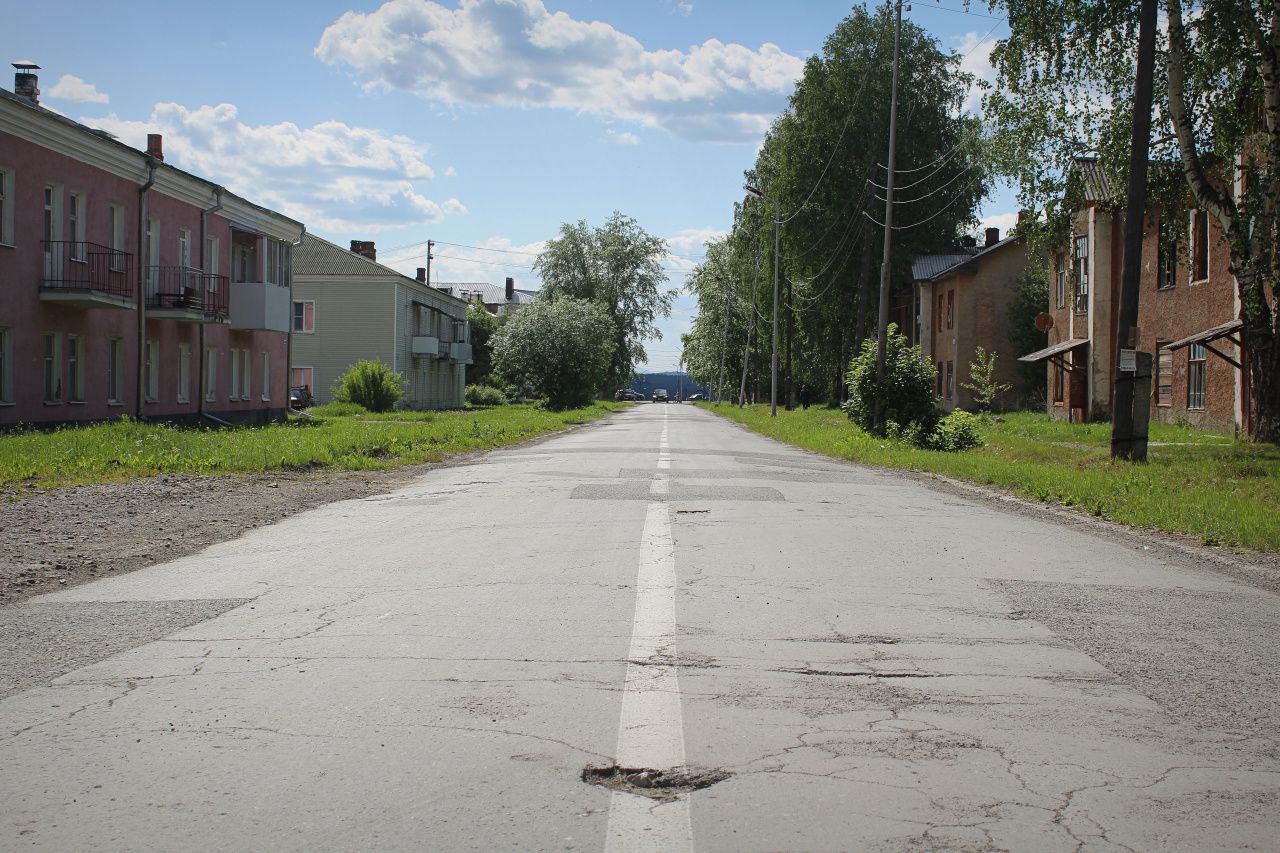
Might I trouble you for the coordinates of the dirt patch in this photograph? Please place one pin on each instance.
(662, 785)
(58, 538)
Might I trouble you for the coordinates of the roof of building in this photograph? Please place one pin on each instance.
(490, 294)
(930, 267)
(317, 256)
(1097, 186)
(1208, 336)
(1055, 350)
(109, 139)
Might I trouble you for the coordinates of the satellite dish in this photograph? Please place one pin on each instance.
(1044, 322)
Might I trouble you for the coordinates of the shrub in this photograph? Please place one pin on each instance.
(371, 384)
(907, 390)
(562, 347)
(957, 431)
(485, 395)
(983, 384)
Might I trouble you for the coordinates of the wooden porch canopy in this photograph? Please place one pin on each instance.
(1208, 336)
(1055, 353)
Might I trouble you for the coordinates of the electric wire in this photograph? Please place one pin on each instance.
(929, 218)
(956, 177)
(835, 148)
(927, 177)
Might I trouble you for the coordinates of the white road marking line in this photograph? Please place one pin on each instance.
(651, 731)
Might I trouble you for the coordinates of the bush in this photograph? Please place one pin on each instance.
(907, 391)
(371, 384)
(561, 347)
(484, 395)
(957, 431)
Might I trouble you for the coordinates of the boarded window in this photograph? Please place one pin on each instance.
(1164, 375)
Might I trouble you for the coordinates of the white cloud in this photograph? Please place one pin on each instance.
(450, 172)
(331, 176)
(622, 138)
(71, 88)
(684, 8)
(1004, 221)
(976, 50)
(514, 53)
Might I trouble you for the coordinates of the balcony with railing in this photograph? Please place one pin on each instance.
(187, 295)
(86, 275)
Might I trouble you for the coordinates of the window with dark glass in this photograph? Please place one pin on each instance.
(1082, 275)
(1197, 370)
(1060, 280)
(1199, 245)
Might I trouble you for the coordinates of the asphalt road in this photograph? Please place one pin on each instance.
(828, 657)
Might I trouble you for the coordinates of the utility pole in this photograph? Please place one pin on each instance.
(751, 325)
(773, 373)
(1129, 409)
(431, 244)
(790, 387)
(724, 343)
(882, 340)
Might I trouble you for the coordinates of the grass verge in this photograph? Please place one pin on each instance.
(1224, 492)
(335, 437)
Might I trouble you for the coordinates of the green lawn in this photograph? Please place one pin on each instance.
(1223, 491)
(124, 449)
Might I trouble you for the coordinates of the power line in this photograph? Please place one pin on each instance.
(818, 183)
(957, 177)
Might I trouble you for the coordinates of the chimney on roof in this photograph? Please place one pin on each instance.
(422, 274)
(25, 83)
(364, 248)
(511, 290)
(993, 236)
(155, 146)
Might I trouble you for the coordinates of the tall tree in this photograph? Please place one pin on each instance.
(1065, 84)
(618, 266)
(820, 163)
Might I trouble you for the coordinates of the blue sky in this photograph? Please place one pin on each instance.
(481, 123)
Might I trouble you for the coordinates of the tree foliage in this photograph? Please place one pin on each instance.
(483, 327)
(819, 168)
(618, 266)
(1030, 298)
(1065, 78)
(563, 348)
(982, 382)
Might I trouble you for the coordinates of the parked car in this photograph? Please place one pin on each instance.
(660, 396)
(693, 398)
(300, 398)
(627, 395)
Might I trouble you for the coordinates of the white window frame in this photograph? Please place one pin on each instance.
(246, 373)
(211, 257)
(6, 366)
(266, 377)
(76, 216)
(51, 362)
(75, 369)
(1197, 232)
(295, 318)
(115, 359)
(151, 371)
(184, 248)
(7, 200)
(235, 374)
(210, 374)
(184, 373)
(1197, 363)
(115, 235)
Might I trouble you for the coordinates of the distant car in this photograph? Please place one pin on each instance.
(627, 395)
(660, 396)
(300, 398)
(693, 398)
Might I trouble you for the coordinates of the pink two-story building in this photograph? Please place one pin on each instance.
(130, 287)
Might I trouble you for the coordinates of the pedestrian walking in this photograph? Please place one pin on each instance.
(804, 396)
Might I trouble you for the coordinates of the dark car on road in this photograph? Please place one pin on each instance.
(660, 396)
(627, 395)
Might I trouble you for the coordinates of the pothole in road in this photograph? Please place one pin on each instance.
(864, 674)
(662, 785)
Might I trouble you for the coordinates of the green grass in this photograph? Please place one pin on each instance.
(357, 441)
(1224, 492)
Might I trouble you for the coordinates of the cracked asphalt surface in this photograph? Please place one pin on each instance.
(876, 665)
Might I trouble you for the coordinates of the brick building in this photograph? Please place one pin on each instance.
(962, 302)
(131, 287)
(1188, 310)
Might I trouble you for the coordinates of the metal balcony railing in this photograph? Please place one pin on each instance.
(77, 265)
(184, 288)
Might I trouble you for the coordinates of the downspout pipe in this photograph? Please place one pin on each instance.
(204, 267)
(152, 162)
(288, 336)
